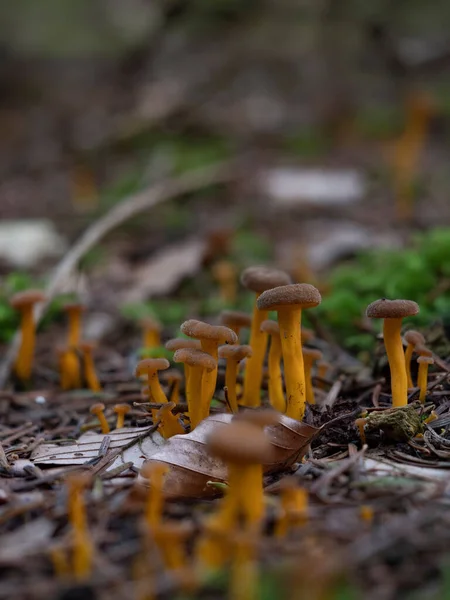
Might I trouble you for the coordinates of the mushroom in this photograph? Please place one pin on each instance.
(276, 392)
(197, 395)
(151, 367)
(258, 280)
(393, 311)
(289, 301)
(68, 368)
(82, 545)
(177, 343)
(24, 302)
(152, 332)
(294, 506)
(224, 272)
(173, 378)
(211, 337)
(155, 472)
(169, 424)
(412, 339)
(97, 410)
(171, 537)
(244, 583)
(422, 378)
(233, 355)
(309, 357)
(244, 448)
(89, 368)
(236, 320)
(307, 335)
(74, 310)
(121, 410)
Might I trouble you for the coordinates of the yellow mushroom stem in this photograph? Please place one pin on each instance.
(74, 328)
(276, 392)
(422, 378)
(294, 509)
(308, 362)
(230, 382)
(322, 370)
(73, 370)
(254, 364)
(246, 496)
(103, 422)
(408, 356)
(156, 473)
(24, 359)
(82, 546)
(360, 424)
(89, 371)
(175, 391)
(156, 392)
(212, 549)
(169, 424)
(290, 334)
(172, 546)
(366, 513)
(244, 574)
(210, 378)
(152, 338)
(196, 395)
(394, 349)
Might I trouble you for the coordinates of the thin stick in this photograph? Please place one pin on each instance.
(128, 208)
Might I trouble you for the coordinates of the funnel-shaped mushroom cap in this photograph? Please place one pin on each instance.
(204, 331)
(235, 318)
(312, 354)
(195, 358)
(87, 346)
(172, 375)
(74, 307)
(392, 309)
(261, 278)
(270, 327)
(151, 364)
(151, 324)
(414, 338)
(122, 409)
(423, 350)
(96, 408)
(296, 295)
(427, 360)
(235, 352)
(177, 343)
(260, 418)
(240, 443)
(22, 299)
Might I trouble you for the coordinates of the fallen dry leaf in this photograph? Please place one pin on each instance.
(87, 447)
(191, 467)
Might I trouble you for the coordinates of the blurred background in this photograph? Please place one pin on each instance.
(334, 118)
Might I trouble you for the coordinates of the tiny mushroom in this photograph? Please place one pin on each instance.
(309, 357)
(74, 310)
(289, 301)
(121, 410)
(225, 273)
(276, 392)
(211, 337)
(24, 302)
(258, 280)
(155, 473)
(393, 311)
(177, 343)
(294, 505)
(236, 320)
(422, 378)
(233, 355)
(90, 375)
(82, 544)
(97, 410)
(169, 424)
(412, 339)
(69, 368)
(198, 398)
(151, 367)
(152, 332)
(244, 448)
(171, 538)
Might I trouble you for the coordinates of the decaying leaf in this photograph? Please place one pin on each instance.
(88, 447)
(192, 467)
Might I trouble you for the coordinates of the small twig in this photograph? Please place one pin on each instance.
(334, 392)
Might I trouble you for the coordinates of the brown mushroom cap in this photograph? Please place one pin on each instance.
(312, 353)
(177, 343)
(172, 375)
(150, 324)
(27, 298)
(414, 337)
(235, 352)
(75, 307)
(260, 418)
(295, 295)
(422, 350)
(235, 318)
(205, 331)
(270, 327)
(87, 346)
(151, 364)
(121, 409)
(97, 408)
(428, 360)
(307, 334)
(392, 309)
(240, 443)
(261, 278)
(195, 358)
